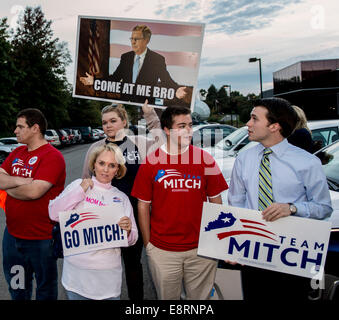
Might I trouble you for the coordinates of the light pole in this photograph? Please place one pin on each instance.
(229, 86)
(255, 60)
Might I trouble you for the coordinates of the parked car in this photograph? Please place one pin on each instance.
(71, 137)
(207, 135)
(329, 157)
(226, 150)
(95, 135)
(11, 141)
(52, 137)
(86, 133)
(63, 137)
(136, 129)
(77, 135)
(5, 150)
(324, 132)
(100, 133)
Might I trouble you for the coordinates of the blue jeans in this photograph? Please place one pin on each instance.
(24, 258)
(71, 295)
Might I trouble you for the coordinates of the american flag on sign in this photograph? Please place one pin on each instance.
(93, 49)
(179, 44)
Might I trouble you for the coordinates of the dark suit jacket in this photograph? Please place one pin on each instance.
(152, 73)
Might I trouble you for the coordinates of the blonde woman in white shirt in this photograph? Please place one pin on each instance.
(97, 275)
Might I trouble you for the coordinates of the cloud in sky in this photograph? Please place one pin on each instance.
(280, 32)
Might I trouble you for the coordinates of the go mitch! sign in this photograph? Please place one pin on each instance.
(91, 229)
(291, 245)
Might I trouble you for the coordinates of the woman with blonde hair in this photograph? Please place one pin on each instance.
(134, 148)
(302, 135)
(97, 275)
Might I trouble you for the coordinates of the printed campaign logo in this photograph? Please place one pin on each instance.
(33, 160)
(177, 181)
(116, 199)
(17, 162)
(243, 226)
(163, 174)
(75, 218)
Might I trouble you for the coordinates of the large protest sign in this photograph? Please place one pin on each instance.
(291, 245)
(91, 229)
(165, 74)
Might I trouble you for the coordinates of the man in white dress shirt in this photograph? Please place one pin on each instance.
(297, 187)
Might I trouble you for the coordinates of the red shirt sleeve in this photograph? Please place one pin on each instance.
(51, 167)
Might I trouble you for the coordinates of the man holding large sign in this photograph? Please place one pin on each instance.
(280, 180)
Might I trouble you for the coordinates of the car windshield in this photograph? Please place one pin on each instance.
(330, 161)
(249, 145)
(232, 139)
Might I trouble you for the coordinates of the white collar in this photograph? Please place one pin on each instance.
(164, 148)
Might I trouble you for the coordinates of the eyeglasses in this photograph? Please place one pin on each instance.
(135, 39)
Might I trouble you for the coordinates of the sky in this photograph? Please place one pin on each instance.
(280, 32)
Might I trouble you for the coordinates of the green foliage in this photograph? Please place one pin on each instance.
(220, 103)
(8, 76)
(85, 112)
(42, 61)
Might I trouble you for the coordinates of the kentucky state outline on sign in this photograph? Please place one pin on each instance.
(288, 245)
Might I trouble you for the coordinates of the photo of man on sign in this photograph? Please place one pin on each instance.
(137, 72)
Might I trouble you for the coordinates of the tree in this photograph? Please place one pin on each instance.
(212, 96)
(8, 76)
(42, 61)
(223, 100)
(85, 112)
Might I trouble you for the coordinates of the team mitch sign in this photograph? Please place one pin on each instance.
(287, 245)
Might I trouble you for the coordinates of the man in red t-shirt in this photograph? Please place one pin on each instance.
(171, 186)
(31, 175)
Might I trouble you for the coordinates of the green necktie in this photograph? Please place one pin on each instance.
(265, 182)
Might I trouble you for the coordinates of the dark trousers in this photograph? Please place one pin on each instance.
(260, 284)
(24, 258)
(133, 270)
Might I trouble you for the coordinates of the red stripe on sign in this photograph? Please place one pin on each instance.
(260, 229)
(251, 221)
(167, 29)
(183, 59)
(75, 223)
(234, 233)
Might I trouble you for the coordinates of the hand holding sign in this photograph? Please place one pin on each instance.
(181, 92)
(125, 224)
(87, 183)
(88, 80)
(276, 211)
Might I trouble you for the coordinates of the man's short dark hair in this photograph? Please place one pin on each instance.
(170, 112)
(279, 111)
(34, 116)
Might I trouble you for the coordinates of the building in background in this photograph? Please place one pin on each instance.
(312, 85)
